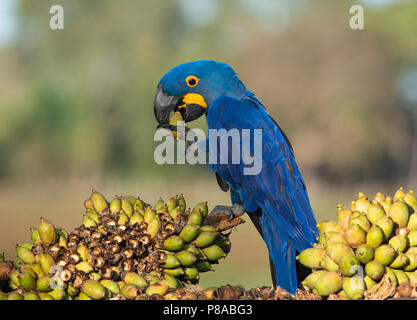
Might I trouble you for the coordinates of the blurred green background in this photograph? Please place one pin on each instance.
(76, 104)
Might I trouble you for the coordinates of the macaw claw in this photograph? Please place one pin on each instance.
(235, 210)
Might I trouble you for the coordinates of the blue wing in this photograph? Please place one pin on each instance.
(287, 220)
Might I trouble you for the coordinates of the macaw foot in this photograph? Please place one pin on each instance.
(235, 210)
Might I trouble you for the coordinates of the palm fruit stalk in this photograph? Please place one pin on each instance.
(372, 240)
(124, 249)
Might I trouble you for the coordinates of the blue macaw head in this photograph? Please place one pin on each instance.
(191, 87)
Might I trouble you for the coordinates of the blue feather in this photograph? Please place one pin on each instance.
(287, 220)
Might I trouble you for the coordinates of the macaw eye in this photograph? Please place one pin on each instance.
(192, 81)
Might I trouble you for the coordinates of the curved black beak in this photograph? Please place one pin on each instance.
(192, 106)
(163, 105)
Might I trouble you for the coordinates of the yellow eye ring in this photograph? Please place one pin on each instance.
(192, 81)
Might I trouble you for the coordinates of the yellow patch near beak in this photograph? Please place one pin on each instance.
(193, 98)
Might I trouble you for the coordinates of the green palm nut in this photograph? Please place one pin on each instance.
(130, 291)
(171, 296)
(115, 205)
(83, 296)
(44, 296)
(94, 289)
(99, 202)
(349, 265)
(355, 235)
(46, 261)
(191, 273)
(161, 287)
(386, 224)
(152, 277)
(399, 212)
(369, 282)
(31, 296)
(412, 265)
(400, 261)
(364, 253)
(412, 222)
(328, 283)
(202, 208)
(354, 287)
(311, 279)
(15, 296)
(135, 278)
(110, 285)
(159, 204)
(375, 270)
(311, 257)
(95, 276)
(171, 262)
(123, 218)
(360, 219)
(25, 254)
(93, 215)
(58, 293)
(362, 203)
(411, 199)
(385, 254)
(327, 226)
(176, 212)
(14, 277)
(47, 232)
(28, 269)
(387, 203)
(149, 214)
(171, 203)
(174, 243)
(332, 236)
(189, 232)
(35, 235)
(127, 206)
(343, 215)
(391, 276)
(375, 211)
(88, 222)
(203, 266)
(176, 272)
(412, 276)
(43, 284)
(84, 266)
(154, 226)
(205, 238)
(401, 276)
(173, 282)
(181, 202)
(27, 281)
(336, 250)
(214, 252)
(399, 193)
(72, 291)
(207, 227)
(27, 245)
(328, 264)
(412, 238)
(82, 250)
(139, 205)
(186, 258)
(196, 218)
(399, 242)
(136, 218)
(412, 250)
(375, 237)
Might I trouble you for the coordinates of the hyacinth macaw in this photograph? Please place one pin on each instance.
(276, 198)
